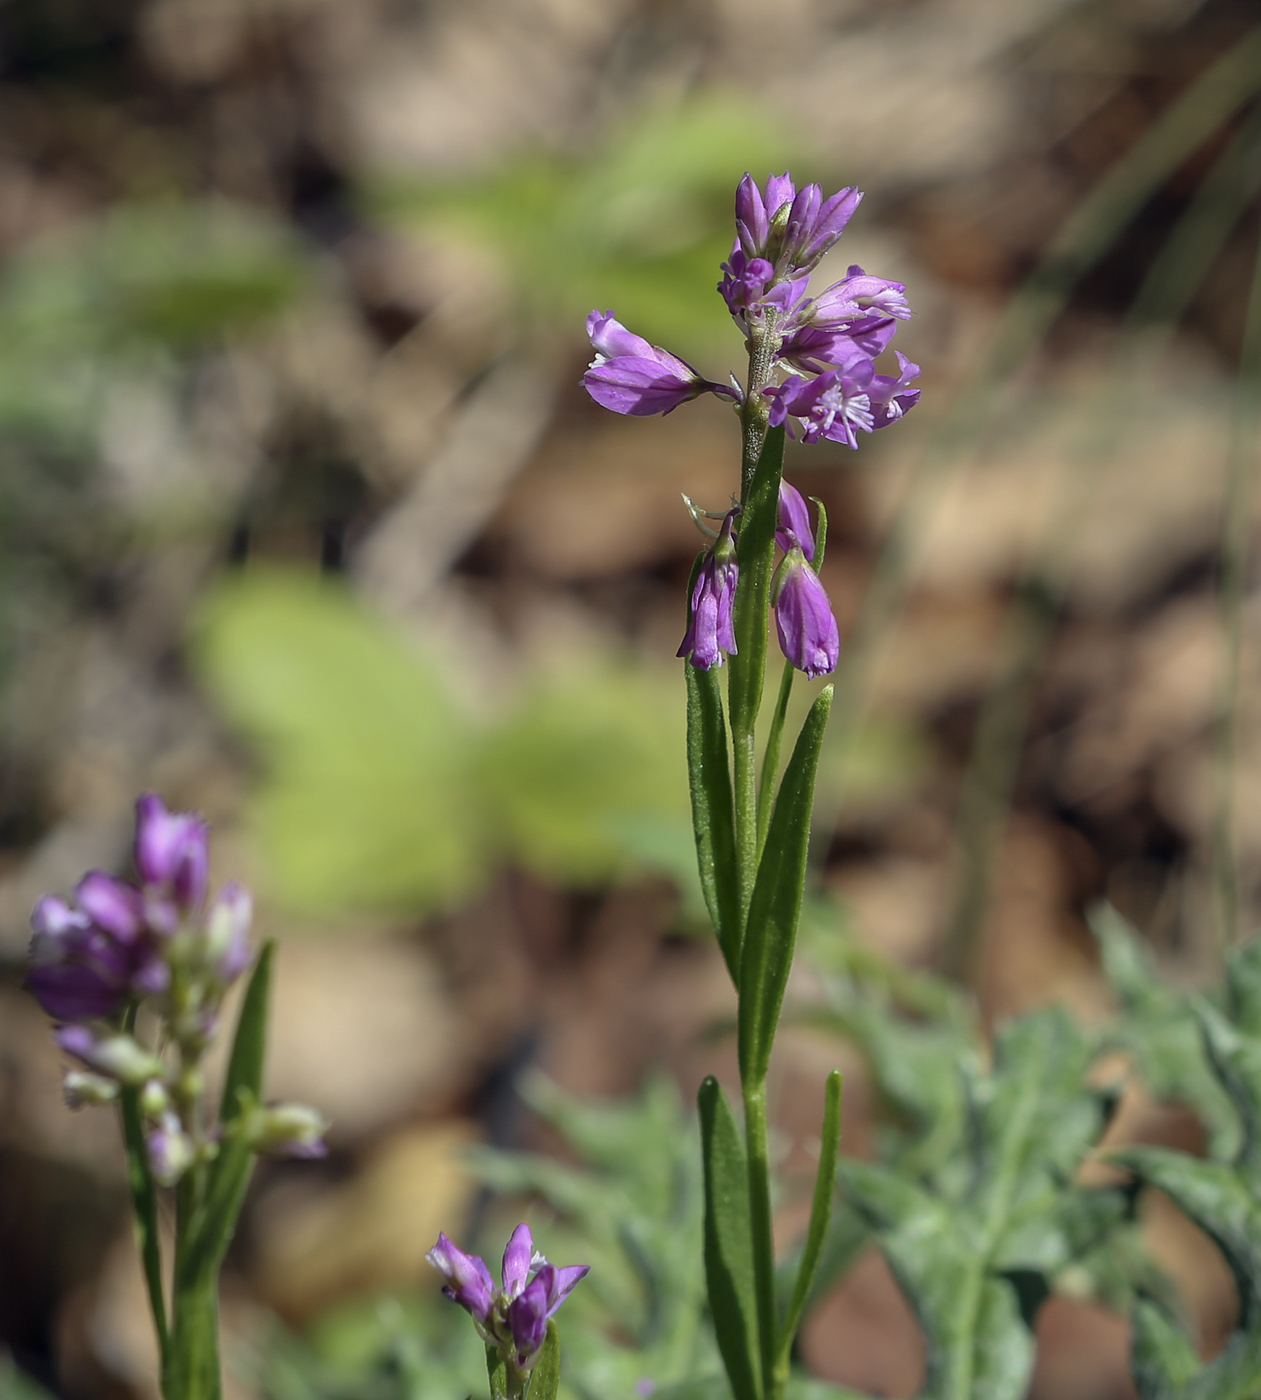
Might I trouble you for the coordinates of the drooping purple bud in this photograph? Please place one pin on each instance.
(468, 1279)
(628, 375)
(171, 852)
(793, 530)
(520, 1257)
(228, 933)
(711, 629)
(808, 634)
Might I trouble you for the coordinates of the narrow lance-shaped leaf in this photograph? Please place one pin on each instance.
(776, 904)
(820, 1218)
(545, 1378)
(755, 548)
(728, 1242)
(709, 776)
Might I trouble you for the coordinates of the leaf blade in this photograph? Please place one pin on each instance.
(713, 813)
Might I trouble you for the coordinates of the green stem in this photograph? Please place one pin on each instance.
(745, 776)
(770, 761)
(755, 1131)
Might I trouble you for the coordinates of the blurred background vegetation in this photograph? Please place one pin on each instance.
(306, 523)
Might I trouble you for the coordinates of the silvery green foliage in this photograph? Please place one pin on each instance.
(974, 1205)
(1205, 1051)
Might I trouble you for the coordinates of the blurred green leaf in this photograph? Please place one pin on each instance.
(640, 223)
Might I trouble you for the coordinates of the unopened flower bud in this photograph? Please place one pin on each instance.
(289, 1129)
(118, 1056)
(228, 933)
(80, 1087)
(170, 1150)
(154, 1100)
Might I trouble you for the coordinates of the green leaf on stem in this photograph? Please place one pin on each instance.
(755, 548)
(1162, 1356)
(713, 822)
(729, 1243)
(820, 1218)
(545, 1378)
(775, 907)
(144, 1198)
(245, 1066)
(497, 1370)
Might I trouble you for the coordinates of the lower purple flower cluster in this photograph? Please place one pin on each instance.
(117, 944)
(512, 1318)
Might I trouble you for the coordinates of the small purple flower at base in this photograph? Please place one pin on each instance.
(793, 530)
(832, 405)
(628, 375)
(808, 634)
(711, 630)
(172, 858)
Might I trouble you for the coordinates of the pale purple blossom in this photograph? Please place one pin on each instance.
(528, 1313)
(711, 629)
(891, 395)
(468, 1280)
(628, 375)
(808, 634)
(172, 859)
(856, 296)
(832, 405)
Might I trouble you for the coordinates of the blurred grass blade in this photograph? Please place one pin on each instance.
(771, 933)
(820, 1218)
(728, 1242)
(1186, 124)
(709, 775)
(754, 549)
(144, 1198)
(546, 1375)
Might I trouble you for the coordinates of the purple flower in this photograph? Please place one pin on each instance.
(791, 227)
(83, 971)
(891, 396)
(173, 860)
(856, 297)
(832, 405)
(808, 634)
(711, 631)
(512, 1318)
(468, 1280)
(793, 530)
(630, 376)
(115, 1056)
(528, 1314)
(748, 287)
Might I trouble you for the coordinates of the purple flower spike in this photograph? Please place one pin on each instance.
(630, 376)
(711, 630)
(793, 531)
(468, 1279)
(171, 854)
(808, 634)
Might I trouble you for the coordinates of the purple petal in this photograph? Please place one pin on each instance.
(468, 1279)
(640, 386)
(610, 338)
(794, 521)
(518, 1256)
(752, 223)
(780, 190)
(829, 224)
(711, 627)
(228, 932)
(564, 1280)
(112, 905)
(528, 1314)
(171, 851)
(75, 992)
(77, 1041)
